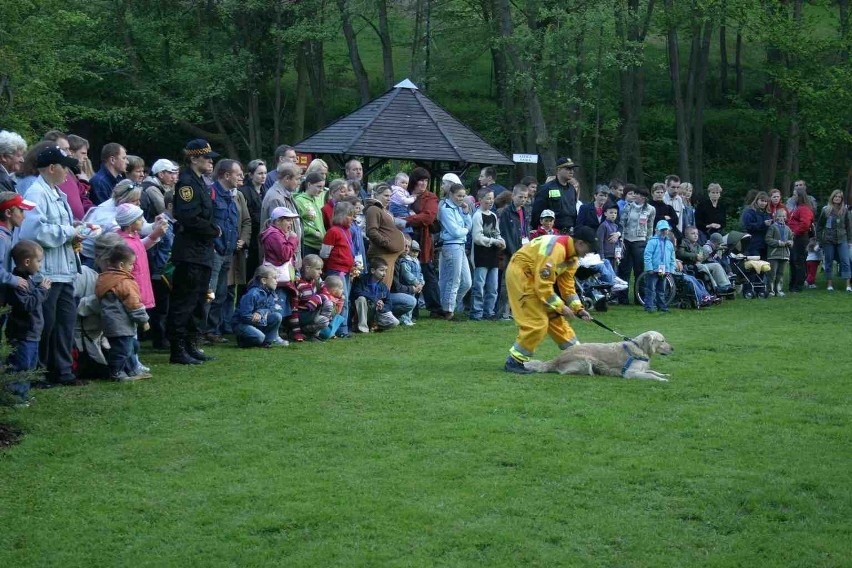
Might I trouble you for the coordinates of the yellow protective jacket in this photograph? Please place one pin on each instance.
(549, 260)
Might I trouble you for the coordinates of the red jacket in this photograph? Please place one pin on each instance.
(327, 213)
(800, 220)
(426, 211)
(337, 250)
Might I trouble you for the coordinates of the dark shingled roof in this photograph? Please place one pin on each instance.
(405, 124)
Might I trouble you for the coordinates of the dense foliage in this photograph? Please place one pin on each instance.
(750, 94)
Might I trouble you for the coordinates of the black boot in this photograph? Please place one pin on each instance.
(179, 355)
(196, 353)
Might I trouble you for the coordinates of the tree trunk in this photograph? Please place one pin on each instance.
(843, 9)
(279, 87)
(680, 111)
(316, 78)
(301, 94)
(354, 55)
(701, 96)
(548, 152)
(723, 55)
(769, 160)
(387, 47)
(738, 62)
(576, 128)
(791, 156)
(415, 70)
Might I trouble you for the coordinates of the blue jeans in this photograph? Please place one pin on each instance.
(840, 253)
(253, 336)
(483, 294)
(453, 276)
(343, 329)
(219, 285)
(24, 357)
(655, 291)
(402, 305)
(335, 326)
(122, 356)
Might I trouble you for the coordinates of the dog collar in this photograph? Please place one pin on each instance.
(630, 358)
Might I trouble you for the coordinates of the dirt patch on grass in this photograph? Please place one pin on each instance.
(9, 436)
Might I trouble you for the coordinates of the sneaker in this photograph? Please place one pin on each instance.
(506, 318)
(849, 288)
(830, 288)
(811, 286)
(122, 377)
(280, 342)
(514, 366)
(780, 294)
(141, 369)
(140, 376)
(407, 323)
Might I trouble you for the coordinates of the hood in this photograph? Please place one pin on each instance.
(369, 202)
(270, 231)
(108, 280)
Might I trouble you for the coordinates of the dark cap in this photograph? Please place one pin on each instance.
(587, 235)
(200, 147)
(54, 155)
(565, 162)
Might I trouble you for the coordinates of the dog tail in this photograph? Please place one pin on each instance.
(539, 366)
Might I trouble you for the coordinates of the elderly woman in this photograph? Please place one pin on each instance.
(103, 215)
(386, 240)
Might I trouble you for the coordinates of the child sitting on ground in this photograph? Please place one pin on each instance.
(311, 311)
(659, 261)
(372, 299)
(812, 262)
(26, 320)
(258, 321)
(333, 291)
(545, 227)
(411, 273)
(779, 242)
(121, 312)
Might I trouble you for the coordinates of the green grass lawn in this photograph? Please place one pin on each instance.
(413, 448)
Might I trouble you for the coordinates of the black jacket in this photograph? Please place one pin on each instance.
(195, 229)
(561, 199)
(26, 320)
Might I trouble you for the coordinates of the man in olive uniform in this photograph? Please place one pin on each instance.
(560, 196)
(192, 254)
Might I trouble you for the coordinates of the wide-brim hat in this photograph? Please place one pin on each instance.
(200, 148)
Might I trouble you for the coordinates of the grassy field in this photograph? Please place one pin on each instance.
(413, 448)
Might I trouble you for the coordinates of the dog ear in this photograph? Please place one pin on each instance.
(651, 343)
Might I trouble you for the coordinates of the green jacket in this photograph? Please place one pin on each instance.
(832, 228)
(774, 235)
(310, 212)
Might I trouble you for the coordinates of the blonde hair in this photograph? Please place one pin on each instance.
(317, 165)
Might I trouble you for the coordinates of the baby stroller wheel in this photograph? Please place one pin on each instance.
(748, 295)
(587, 303)
(764, 294)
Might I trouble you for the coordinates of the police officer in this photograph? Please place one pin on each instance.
(192, 254)
(559, 195)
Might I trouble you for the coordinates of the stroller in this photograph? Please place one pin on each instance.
(746, 273)
(592, 291)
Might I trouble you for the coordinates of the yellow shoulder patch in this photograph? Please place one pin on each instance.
(185, 193)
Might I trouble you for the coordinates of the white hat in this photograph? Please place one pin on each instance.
(279, 212)
(547, 213)
(451, 178)
(163, 165)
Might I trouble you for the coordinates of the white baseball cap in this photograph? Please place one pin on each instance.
(451, 178)
(547, 213)
(163, 165)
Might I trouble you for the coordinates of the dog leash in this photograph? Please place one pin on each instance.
(621, 335)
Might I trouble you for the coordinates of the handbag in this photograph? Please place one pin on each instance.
(285, 273)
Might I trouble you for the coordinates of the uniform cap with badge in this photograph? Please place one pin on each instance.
(565, 162)
(199, 148)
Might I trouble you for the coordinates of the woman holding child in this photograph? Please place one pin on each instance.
(386, 240)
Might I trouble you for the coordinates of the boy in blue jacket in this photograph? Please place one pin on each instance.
(257, 319)
(659, 261)
(372, 299)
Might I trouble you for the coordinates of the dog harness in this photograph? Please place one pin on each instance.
(630, 358)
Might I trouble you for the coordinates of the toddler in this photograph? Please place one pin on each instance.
(372, 298)
(258, 321)
(400, 199)
(545, 227)
(121, 312)
(26, 320)
(812, 262)
(312, 312)
(779, 240)
(659, 261)
(333, 291)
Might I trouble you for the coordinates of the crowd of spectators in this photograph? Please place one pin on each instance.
(207, 251)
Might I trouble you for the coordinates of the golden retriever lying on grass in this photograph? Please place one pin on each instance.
(631, 360)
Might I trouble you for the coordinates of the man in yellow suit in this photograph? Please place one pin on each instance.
(541, 264)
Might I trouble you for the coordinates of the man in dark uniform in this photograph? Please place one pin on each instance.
(192, 254)
(560, 196)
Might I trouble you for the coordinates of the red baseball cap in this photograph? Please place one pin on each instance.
(18, 202)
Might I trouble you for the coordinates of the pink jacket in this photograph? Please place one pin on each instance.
(278, 248)
(140, 273)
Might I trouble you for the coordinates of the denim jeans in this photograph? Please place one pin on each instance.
(219, 285)
(24, 357)
(483, 294)
(453, 276)
(333, 327)
(402, 305)
(343, 329)
(121, 358)
(655, 291)
(838, 252)
(254, 336)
